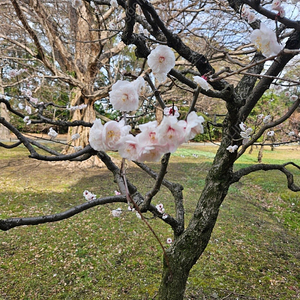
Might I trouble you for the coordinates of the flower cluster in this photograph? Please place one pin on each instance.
(265, 40)
(149, 145)
(81, 106)
(13, 72)
(245, 133)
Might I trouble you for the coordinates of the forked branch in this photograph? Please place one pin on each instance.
(268, 167)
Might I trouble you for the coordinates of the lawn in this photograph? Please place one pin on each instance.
(254, 251)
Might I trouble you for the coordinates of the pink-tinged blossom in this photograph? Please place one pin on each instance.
(171, 133)
(287, 94)
(171, 111)
(161, 60)
(52, 133)
(151, 153)
(128, 147)
(202, 82)
(112, 133)
(33, 100)
(276, 4)
(27, 120)
(242, 126)
(117, 193)
(169, 241)
(81, 106)
(116, 212)
(194, 125)
(164, 216)
(260, 116)
(247, 14)
(160, 208)
(270, 133)
(89, 196)
(245, 133)
(265, 40)
(231, 149)
(95, 138)
(124, 95)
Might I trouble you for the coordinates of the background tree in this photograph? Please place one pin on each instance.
(238, 83)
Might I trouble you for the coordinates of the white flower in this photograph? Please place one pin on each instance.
(160, 208)
(231, 149)
(114, 3)
(243, 126)
(21, 106)
(276, 4)
(194, 125)
(260, 116)
(89, 196)
(201, 82)
(116, 212)
(267, 119)
(27, 120)
(52, 133)
(169, 241)
(164, 216)
(291, 133)
(265, 40)
(124, 95)
(293, 98)
(28, 109)
(161, 60)
(270, 133)
(171, 111)
(138, 215)
(287, 93)
(75, 136)
(95, 138)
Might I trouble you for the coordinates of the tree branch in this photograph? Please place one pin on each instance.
(15, 222)
(268, 167)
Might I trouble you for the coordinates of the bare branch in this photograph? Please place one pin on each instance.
(15, 222)
(268, 167)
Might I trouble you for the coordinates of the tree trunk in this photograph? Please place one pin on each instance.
(87, 114)
(188, 247)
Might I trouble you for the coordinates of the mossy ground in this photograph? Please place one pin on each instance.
(254, 251)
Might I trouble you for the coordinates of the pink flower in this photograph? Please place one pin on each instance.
(128, 147)
(161, 60)
(27, 120)
(293, 98)
(171, 111)
(276, 5)
(171, 133)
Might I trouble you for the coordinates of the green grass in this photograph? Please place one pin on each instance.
(254, 251)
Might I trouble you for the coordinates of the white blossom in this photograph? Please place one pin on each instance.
(75, 136)
(89, 196)
(116, 212)
(270, 133)
(52, 133)
(202, 82)
(231, 149)
(161, 60)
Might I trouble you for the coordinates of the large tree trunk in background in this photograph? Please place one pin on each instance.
(4, 132)
(87, 114)
(189, 246)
